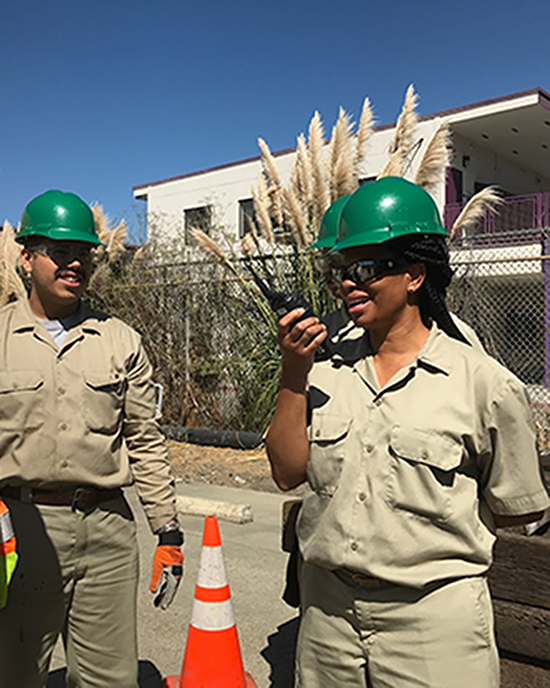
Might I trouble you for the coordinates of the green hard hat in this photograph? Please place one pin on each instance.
(60, 216)
(328, 232)
(388, 208)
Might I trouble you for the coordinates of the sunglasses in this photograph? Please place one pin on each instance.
(62, 255)
(363, 271)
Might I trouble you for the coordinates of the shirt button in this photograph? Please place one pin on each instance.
(370, 448)
(354, 546)
(378, 401)
(61, 390)
(362, 496)
(425, 453)
(64, 464)
(317, 433)
(63, 426)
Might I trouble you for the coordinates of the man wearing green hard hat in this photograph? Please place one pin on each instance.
(338, 322)
(58, 227)
(415, 450)
(78, 422)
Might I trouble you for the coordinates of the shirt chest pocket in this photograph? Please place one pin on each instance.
(423, 472)
(103, 401)
(328, 435)
(21, 400)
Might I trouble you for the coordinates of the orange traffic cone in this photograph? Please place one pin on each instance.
(212, 655)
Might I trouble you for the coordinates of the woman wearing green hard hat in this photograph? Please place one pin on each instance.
(415, 448)
(338, 323)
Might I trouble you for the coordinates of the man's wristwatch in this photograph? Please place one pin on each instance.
(168, 528)
(170, 534)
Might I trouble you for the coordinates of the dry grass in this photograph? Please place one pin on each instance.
(364, 133)
(111, 234)
(431, 170)
(320, 191)
(485, 201)
(273, 182)
(341, 170)
(11, 284)
(403, 139)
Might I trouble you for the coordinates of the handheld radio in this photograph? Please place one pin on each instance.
(283, 302)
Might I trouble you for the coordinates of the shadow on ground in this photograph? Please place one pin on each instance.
(280, 653)
(149, 677)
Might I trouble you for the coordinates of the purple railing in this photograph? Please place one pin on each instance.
(517, 213)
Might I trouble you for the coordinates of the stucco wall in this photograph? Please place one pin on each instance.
(224, 188)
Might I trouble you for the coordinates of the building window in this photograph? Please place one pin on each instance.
(246, 215)
(198, 218)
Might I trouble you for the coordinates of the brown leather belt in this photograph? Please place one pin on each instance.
(361, 579)
(82, 498)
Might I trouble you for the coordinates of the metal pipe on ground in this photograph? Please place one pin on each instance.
(234, 439)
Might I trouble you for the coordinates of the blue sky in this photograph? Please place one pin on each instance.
(100, 96)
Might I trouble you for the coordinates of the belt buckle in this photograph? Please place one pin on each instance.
(361, 580)
(78, 493)
(364, 581)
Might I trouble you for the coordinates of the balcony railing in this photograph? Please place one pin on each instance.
(516, 214)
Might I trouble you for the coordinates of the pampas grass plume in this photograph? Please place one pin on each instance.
(484, 201)
(431, 170)
(403, 138)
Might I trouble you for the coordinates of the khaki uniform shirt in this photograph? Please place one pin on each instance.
(83, 414)
(405, 478)
(468, 332)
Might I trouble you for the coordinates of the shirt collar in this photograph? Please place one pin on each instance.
(24, 319)
(434, 355)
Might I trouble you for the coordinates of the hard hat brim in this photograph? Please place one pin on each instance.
(58, 234)
(326, 242)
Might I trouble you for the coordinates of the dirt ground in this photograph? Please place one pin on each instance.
(221, 466)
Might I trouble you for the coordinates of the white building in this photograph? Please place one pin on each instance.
(504, 141)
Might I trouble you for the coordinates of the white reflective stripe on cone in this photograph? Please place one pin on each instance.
(211, 568)
(212, 616)
(6, 528)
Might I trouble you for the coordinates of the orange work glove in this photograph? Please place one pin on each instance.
(167, 568)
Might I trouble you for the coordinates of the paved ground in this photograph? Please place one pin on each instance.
(255, 568)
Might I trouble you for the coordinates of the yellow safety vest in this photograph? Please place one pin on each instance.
(8, 555)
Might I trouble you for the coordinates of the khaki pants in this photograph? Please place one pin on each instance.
(395, 637)
(76, 576)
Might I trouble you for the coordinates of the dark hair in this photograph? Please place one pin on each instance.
(33, 241)
(433, 252)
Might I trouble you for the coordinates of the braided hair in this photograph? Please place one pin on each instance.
(433, 252)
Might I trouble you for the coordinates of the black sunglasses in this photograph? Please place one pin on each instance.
(362, 271)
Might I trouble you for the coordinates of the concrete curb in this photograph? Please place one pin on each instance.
(195, 506)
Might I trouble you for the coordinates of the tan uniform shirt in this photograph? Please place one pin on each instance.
(404, 478)
(82, 414)
(468, 332)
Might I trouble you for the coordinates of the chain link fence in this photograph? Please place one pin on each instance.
(212, 340)
(502, 289)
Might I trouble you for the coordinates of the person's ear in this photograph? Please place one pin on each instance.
(26, 260)
(417, 275)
